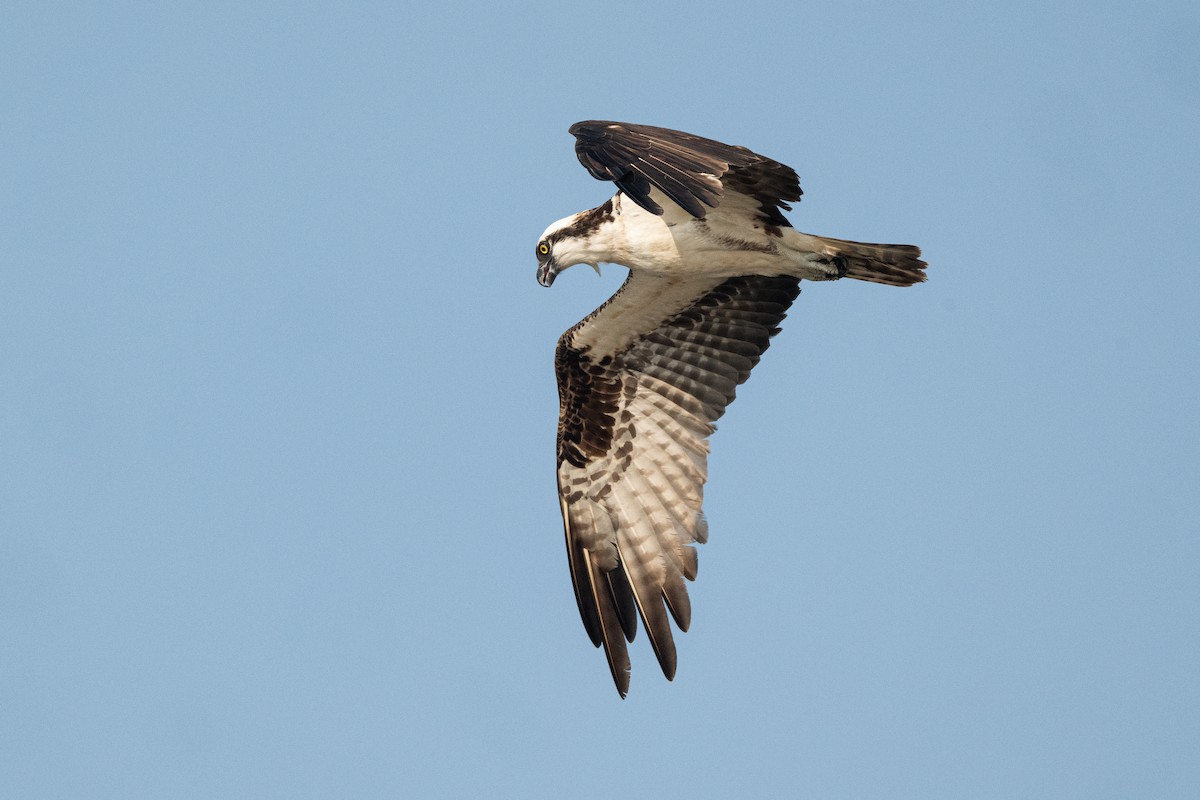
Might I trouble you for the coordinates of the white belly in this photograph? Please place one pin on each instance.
(724, 244)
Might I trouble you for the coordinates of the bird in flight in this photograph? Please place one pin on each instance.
(713, 267)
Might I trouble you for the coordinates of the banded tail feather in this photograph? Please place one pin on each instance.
(892, 264)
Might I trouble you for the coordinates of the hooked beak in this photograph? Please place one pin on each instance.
(547, 272)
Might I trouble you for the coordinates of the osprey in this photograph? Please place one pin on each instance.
(713, 267)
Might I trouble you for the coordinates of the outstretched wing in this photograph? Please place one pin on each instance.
(692, 171)
(641, 382)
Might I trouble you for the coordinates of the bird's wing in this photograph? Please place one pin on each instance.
(641, 382)
(693, 172)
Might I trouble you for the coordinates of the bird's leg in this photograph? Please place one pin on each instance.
(821, 267)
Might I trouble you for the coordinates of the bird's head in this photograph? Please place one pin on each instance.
(581, 238)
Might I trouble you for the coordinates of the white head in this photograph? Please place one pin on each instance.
(573, 240)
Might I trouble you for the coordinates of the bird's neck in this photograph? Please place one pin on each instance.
(606, 242)
(623, 233)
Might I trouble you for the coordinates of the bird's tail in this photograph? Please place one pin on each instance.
(893, 264)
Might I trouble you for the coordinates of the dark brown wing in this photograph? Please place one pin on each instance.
(693, 171)
(636, 409)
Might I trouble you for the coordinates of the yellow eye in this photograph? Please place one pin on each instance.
(544, 248)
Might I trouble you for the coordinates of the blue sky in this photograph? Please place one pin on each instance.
(277, 503)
